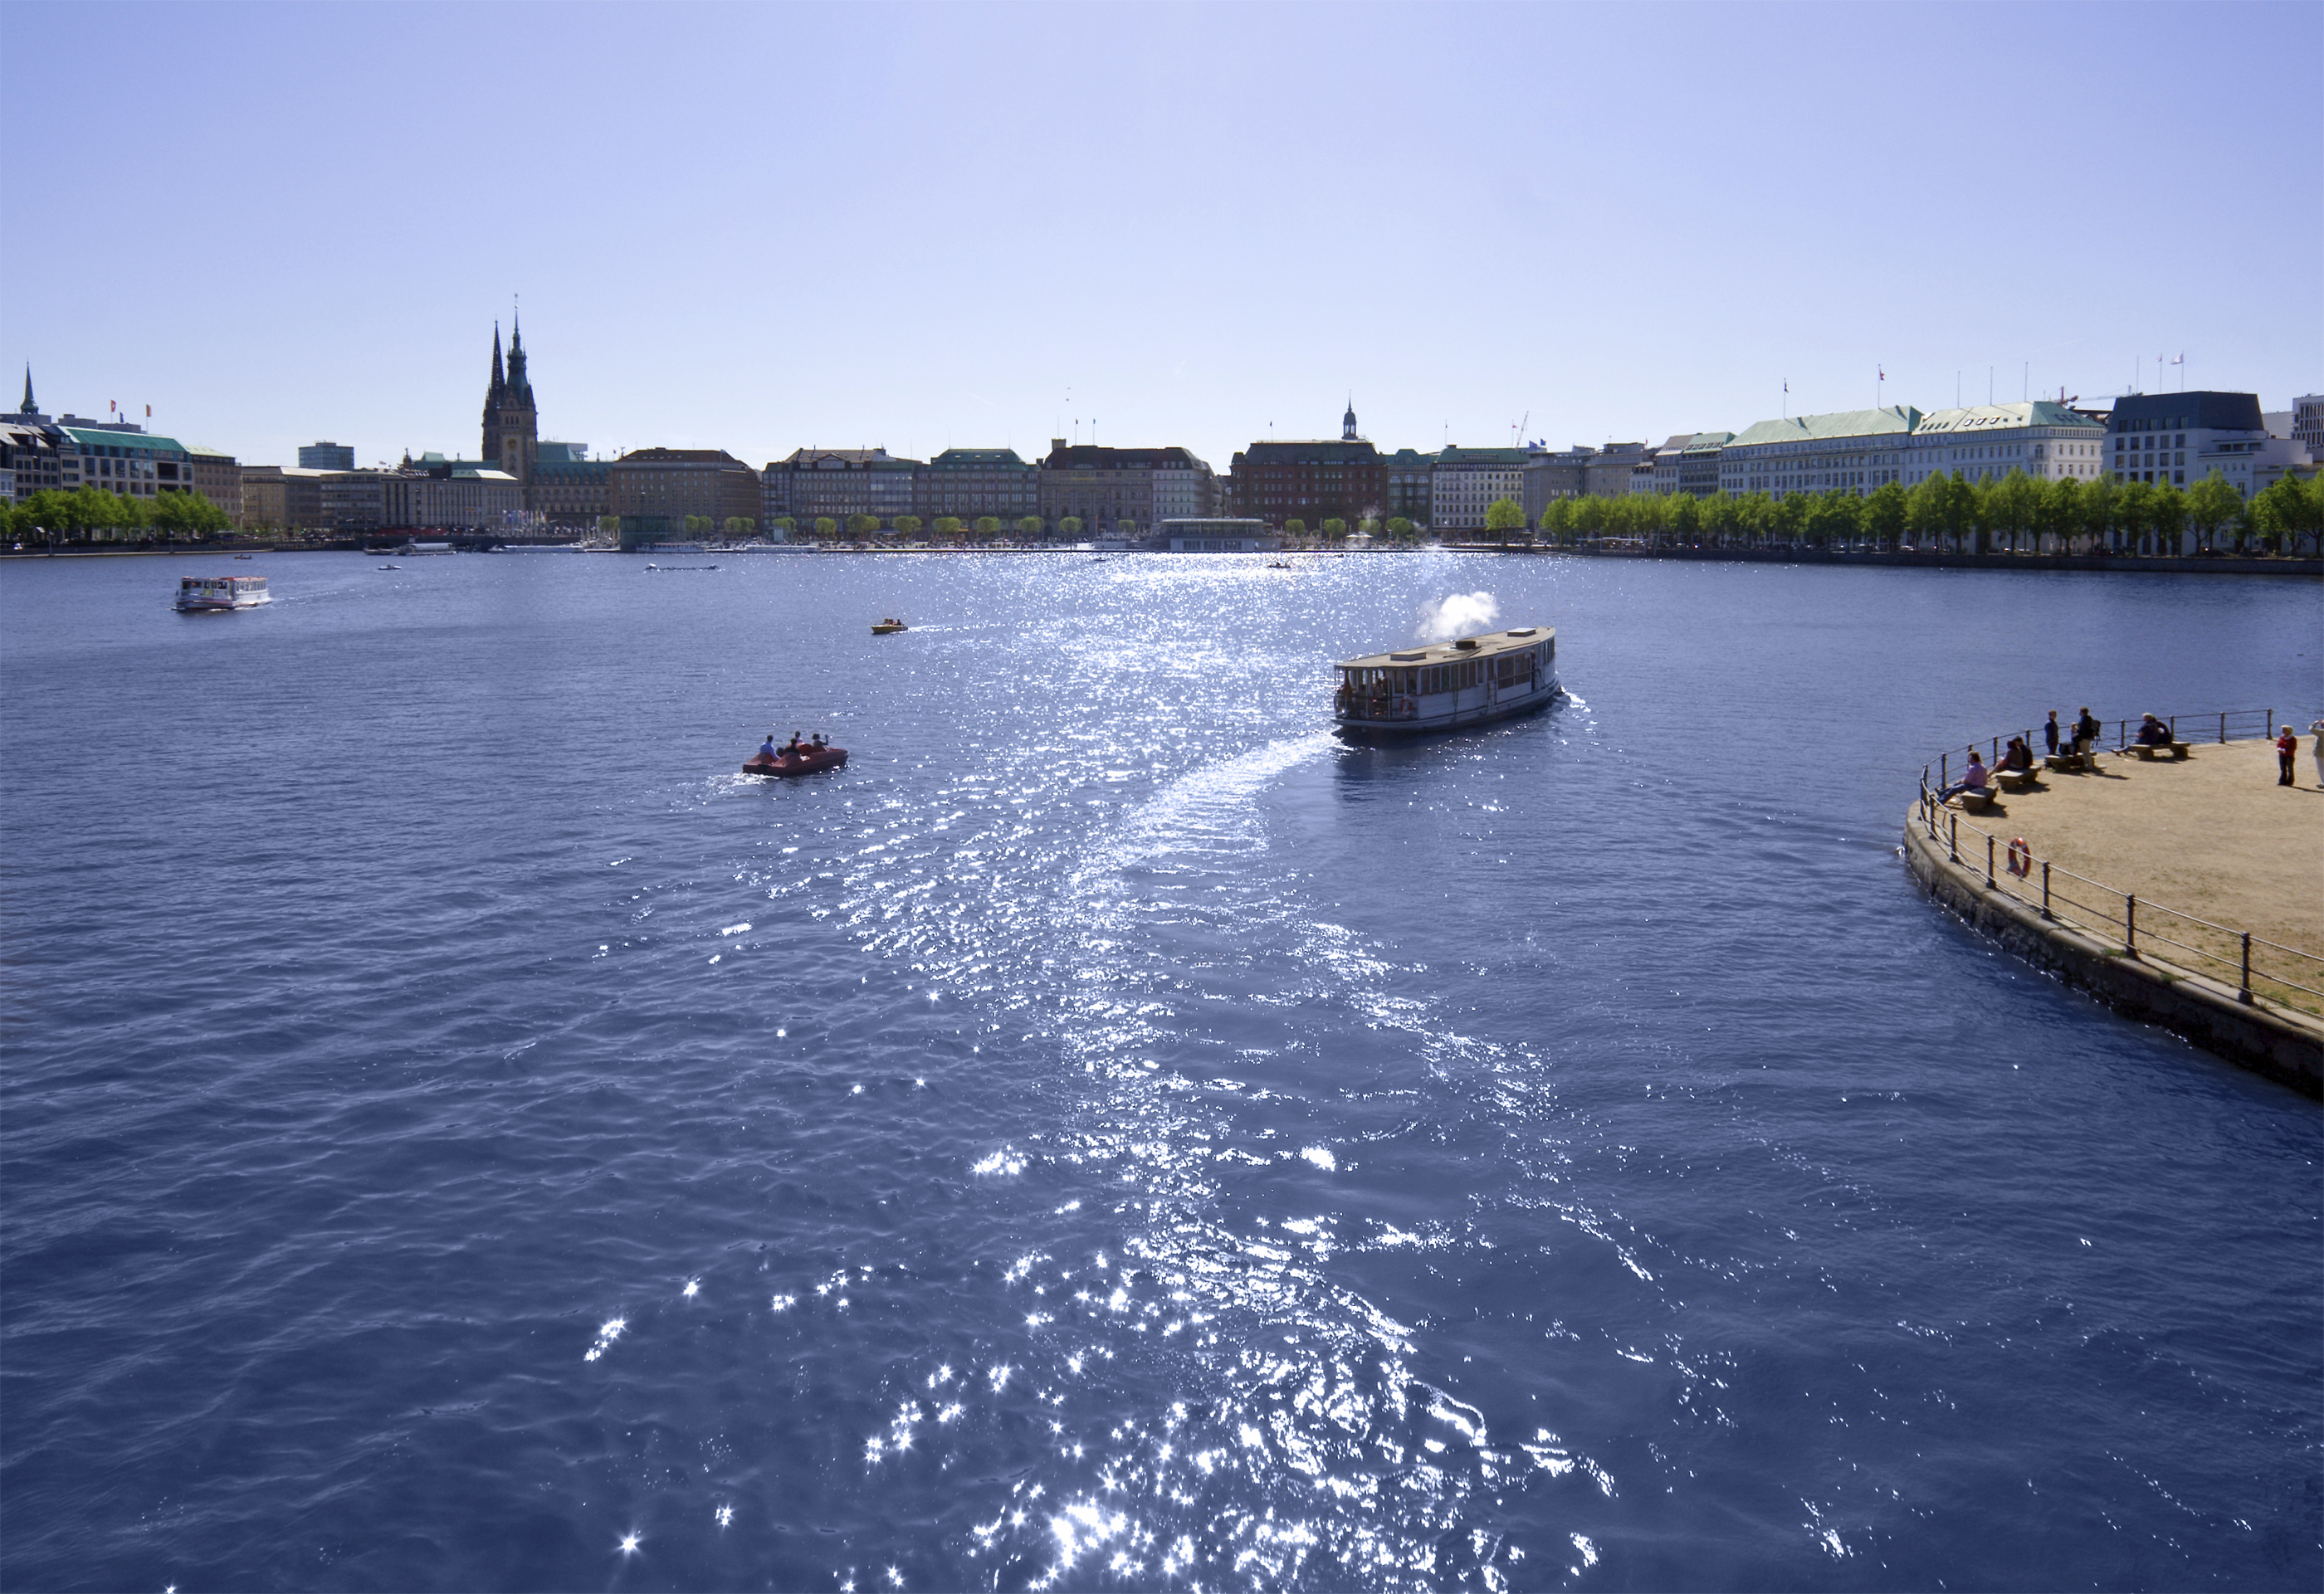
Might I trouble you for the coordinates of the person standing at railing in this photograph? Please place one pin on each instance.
(2316, 749)
(2050, 733)
(2086, 732)
(2287, 756)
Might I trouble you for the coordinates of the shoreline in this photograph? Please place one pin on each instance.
(2161, 565)
(2311, 568)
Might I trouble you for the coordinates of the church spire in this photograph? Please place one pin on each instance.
(520, 386)
(1348, 421)
(499, 382)
(29, 406)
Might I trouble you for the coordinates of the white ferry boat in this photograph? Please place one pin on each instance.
(204, 594)
(1465, 682)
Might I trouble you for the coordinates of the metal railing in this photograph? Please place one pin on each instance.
(2245, 722)
(2260, 971)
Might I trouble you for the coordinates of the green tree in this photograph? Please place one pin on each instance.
(2166, 516)
(1029, 529)
(2131, 507)
(860, 527)
(2057, 513)
(825, 528)
(946, 527)
(1335, 528)
(907, 525)
(2097, 504)
(1885, 513)
(1685, 519)
(1295, 528)
(1505, 515)
(2212, 506)
(786, 525)
(1398, 527)
(1070, 528)
(2289, 512)
(738, 528)
(609, 525)
(1832, 518)
(696, 526)
(2010, 506)
(987, 527)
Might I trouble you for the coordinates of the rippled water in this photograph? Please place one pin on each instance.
(1111, 1134)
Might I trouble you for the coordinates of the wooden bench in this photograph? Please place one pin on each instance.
(2177, 750)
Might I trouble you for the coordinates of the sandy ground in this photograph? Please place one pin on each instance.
(2214, 836)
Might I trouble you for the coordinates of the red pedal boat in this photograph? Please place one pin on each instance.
(807, 761)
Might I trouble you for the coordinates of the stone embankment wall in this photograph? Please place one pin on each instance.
(2283, 1046)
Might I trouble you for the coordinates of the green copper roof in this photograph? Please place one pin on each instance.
(1456, 454)
(1840, 423)
(96, 438)
(979, 458)
(1986, 418)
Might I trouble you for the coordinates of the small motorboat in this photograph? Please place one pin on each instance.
(806, 760)
(242, 556)
(390, 566)
(889, 627)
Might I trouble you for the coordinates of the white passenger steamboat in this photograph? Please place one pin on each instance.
(204, 594)
(1468, 681)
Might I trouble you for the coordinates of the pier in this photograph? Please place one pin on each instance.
(2181, 890)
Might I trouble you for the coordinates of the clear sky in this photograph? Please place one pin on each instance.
(758, 227)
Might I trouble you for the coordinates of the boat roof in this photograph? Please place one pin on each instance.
(1486, 644)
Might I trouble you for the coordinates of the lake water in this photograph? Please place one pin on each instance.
(458, 1134)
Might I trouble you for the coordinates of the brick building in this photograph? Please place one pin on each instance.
(1311, 481)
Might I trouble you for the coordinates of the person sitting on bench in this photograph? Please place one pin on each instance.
(2152, 733)
(1974, 780)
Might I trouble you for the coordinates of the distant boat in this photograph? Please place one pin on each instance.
(221, 594)
(681, 566)
(390, 566)
(805, 761)
(887, 628)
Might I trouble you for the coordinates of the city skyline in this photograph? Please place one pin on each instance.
(1688, 219)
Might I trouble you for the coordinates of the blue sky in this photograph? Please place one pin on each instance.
(758, 227)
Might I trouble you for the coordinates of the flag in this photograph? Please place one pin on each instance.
(149, 411)
(1884, 373)
(1787, 384)
(112, 404)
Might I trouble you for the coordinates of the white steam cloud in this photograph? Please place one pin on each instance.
(1458, 615)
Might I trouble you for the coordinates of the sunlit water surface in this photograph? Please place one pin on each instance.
(460, 1135)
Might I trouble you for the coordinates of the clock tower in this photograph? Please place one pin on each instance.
(511, 423)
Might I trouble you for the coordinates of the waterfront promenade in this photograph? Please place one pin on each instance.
(2141, 880)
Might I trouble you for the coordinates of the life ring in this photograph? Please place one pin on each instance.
(2021, 857)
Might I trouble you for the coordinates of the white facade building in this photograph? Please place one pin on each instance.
(1985, 442)
(1465, 482)
(1860, 449)
(2181, 437)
